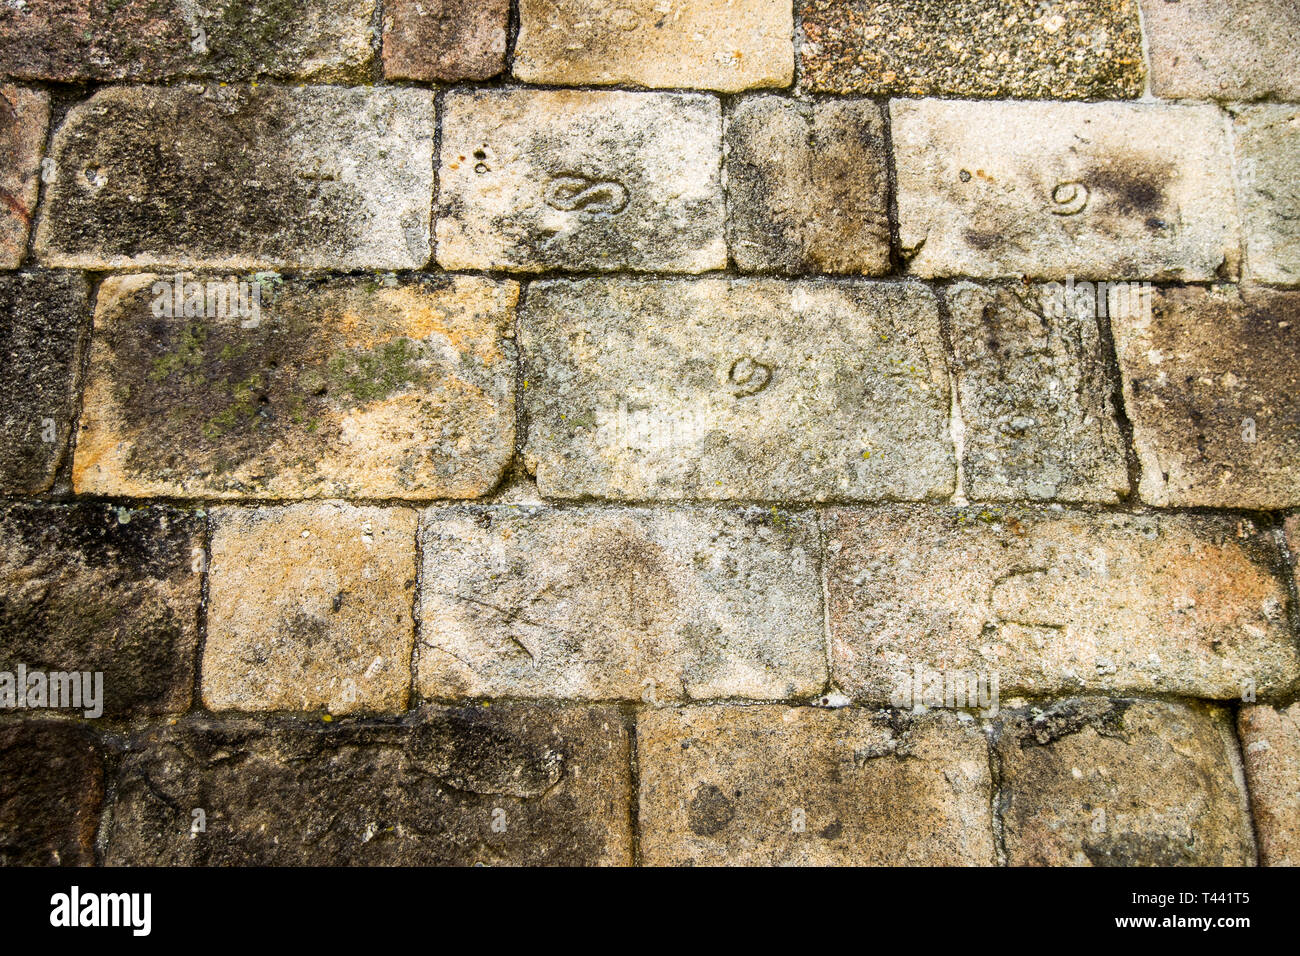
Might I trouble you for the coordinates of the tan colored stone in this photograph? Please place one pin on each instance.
(310, 607)
(1053, 601)
(807, 186)
(1270, 743)
(24, 119)
(602, 604)
(1223, 49)
(1036, 397)
(749, 389)
(1054, 190)
(1212, 387)
(573, 179)
(1267, 139)
(343, 387)
(1292, 530)
(445, 39)
(770, 785)
(1122, 783)
(724, 45)
(235, 177)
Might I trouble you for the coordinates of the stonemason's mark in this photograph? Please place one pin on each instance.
(572, 192)
(748, 376)
(1069, 199)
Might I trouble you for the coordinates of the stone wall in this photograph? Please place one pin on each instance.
(652, 431)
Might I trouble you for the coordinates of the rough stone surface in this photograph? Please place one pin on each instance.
(571, 179)
(620, 603)
(1223, 49)
(502, 785)
(149, 40)
(1056, 601)
(242, 177)
(1017, 49)
(1212, 387)
(807, 186)
(735, 389)
(50, 794)
(724, 45)
(770, 785)
(1292, 530)
(347, 387)
(1036, 397)
(1270, 742)
(434, 40)
(93, 587)
(1053, 190)
(1268, 184)
(310, 607)
(43, 320)
(1122, 783)
(24, 119)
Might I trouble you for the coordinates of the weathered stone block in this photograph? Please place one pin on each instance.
(345, 387)
(43, 323)
(310, 607)
(1270, 743)
(569, 179)
(1212, 387)
(508, 784)
(1268, 183)
(725, 45)
(1233, 50)
(238, 177)
(445, 39)
(1012, 49)
(807, 186)
(624, 603)
(1036, 397)
(96, 588)
(770, 785)
(1122, 783)
(1054, 601)
(1053, 190)
(735, 389)
(24, 120)
(147, 40)
(50, 794)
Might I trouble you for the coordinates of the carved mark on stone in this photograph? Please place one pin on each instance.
(748, 377)
(570, 192)
(1069, 199)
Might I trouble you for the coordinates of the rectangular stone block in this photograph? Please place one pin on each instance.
(532, 180)
(1095, 782)
(310, 608)
(70, 41)
(93, 588)
(1052, 601)
(50, 794)
(24, 120)
(1270, 744)
(1007, 49)
(724, 45)
(1054, 190)
(434, 40)
(242, 177)
(1036, 397)
(1212, 387)
(777, 786)
(601, 604)
(336, 387)
(807, 186)
(750, 389)
(506, 785)
(1268, 184)
(1223, 49)
(43, 325)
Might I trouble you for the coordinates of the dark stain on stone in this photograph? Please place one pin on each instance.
(50, 794)
(710, 811)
